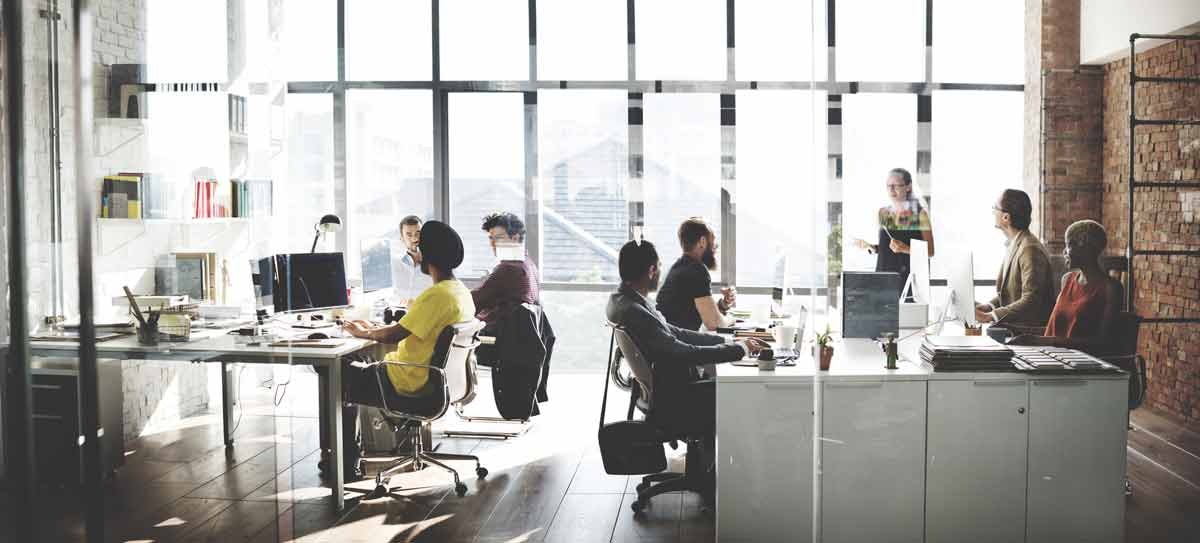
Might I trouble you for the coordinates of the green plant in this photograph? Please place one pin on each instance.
(824, 338)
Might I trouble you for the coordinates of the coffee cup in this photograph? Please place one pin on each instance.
(766, 359)
(785, 336)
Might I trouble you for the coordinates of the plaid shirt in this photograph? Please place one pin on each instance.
(512, 282)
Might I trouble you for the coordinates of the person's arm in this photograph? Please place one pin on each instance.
(662, 344)
(927, 235)
(391, 333)
(492, 289)
(1033, 287)
(710, 314)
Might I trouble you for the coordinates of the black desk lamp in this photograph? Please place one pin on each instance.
(328, 223)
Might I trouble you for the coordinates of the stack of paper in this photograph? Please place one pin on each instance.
(966, 353)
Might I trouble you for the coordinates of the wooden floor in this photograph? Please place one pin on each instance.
(548, 485)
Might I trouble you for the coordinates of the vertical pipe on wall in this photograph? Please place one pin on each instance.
(20, 464)
(1132, 123)
(85, 213)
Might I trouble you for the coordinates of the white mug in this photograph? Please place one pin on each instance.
(785, 336)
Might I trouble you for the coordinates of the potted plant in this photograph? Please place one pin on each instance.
(823, 348)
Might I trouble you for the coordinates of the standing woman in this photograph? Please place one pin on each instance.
(900, 222)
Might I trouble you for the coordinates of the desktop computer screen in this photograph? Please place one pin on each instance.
(262, 277)
(870, 304)
(313, 281)
(376, 264)
(960, 270)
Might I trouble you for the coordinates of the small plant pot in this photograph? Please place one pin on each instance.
(825, 355)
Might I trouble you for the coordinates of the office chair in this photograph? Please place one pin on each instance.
(1124, 355)
(642, 383)
(451, 381)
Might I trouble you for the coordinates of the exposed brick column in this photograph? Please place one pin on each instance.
(1064, 136)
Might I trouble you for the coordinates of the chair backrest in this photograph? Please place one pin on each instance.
(638, 365)
(457, 342)
(1125, 327)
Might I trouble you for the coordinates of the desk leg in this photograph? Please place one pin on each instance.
(227, 396)
(333, 423)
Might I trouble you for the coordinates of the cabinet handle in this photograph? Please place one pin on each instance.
(856, 384)
(46, 387)
(1011, 382)
(46, 417)
(769, 386)
(1021, 410)
(1061, 383)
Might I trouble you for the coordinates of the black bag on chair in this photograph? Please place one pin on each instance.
(628, 447)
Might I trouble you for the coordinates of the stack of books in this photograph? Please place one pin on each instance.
(252, 197)
(208, 201)
(966, 353)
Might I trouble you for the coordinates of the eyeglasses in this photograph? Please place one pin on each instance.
(895, 187)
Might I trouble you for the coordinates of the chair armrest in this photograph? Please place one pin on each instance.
(487, 340)
(445, 392)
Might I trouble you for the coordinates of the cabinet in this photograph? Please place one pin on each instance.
(764, 461)
(57, 419)
(975, 463)
(872, 461)
(1077, 450)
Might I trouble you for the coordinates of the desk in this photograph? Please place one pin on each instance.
(218, 346)
(914, 455)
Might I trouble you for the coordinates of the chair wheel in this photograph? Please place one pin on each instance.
(379, 492)
(460, 489)
(481, 472)
(637, 506)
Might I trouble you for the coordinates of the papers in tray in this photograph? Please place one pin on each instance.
(966, 353)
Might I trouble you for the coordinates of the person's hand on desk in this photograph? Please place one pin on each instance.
(752, 346)
(899, 247)
(358, 329)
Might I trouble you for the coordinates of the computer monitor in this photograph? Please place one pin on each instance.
(961, 275)
(779, 290)
(262, 277)
(918, 270)
(308, 281)
(870, 303)
(376, 264)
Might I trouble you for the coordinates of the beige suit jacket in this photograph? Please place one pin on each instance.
(1025, 286)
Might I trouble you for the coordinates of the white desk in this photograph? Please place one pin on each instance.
(218, 346)
(914, 455)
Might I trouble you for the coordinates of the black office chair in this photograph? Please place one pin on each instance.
(451, 381)
(642, 397)
(1123, 354)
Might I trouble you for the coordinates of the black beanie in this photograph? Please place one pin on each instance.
(440, 245)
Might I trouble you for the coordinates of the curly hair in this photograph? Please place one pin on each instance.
(510, 222)
(1088, 235)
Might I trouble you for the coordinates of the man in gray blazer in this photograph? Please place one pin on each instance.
(1025, 285)
(674, 353)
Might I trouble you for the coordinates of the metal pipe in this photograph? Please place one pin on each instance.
(1135, 36)
(1129, 200)
(21, 467)
(93, 469)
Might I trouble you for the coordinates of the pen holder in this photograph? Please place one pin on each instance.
(148, 334)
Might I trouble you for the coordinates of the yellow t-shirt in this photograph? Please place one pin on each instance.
(445, 303)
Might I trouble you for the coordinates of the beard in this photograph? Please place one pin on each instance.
(654, 282)
(709, 259)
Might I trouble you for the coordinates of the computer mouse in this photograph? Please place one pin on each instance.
(317, 335)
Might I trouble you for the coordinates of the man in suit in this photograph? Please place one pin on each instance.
(1024, 288)
(675, 353)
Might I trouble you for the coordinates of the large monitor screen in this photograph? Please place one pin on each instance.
(870, 304)
(262, 277)
(376, 264)
(310, 281)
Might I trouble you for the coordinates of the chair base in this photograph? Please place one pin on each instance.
(505, 428)
(419, 459)
(694, 479)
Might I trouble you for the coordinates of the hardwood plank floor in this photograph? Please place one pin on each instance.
(545, 486)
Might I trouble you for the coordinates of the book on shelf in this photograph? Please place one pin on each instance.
(251, 197)
(159, 196)
(210, 199)
(121, 197)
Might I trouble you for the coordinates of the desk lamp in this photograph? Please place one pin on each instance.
(329, 223)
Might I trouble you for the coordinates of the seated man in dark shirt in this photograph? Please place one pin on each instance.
(515, 279)
(675, 353)
(686, 297)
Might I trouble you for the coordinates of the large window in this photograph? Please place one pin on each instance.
(389, 163)
(487, 168)
(308, 192)
(682, 176)
(777, 122)
(583, 162)
(781, 187)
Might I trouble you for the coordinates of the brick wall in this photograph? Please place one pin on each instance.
(1163, 218)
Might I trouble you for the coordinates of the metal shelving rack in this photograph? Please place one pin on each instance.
(1130, 250)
